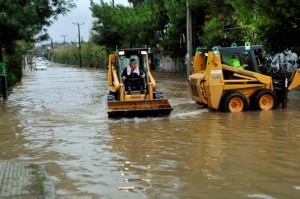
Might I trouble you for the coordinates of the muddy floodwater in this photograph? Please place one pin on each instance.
(58, 118)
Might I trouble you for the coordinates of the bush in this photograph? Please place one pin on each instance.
(92, 55)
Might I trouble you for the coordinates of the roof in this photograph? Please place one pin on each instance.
(133, 49)
(238, 48)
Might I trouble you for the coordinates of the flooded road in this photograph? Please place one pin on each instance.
(58, 118)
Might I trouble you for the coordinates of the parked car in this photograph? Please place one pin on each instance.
(40, 66)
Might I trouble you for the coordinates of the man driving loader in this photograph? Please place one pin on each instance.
(235, 62)
(133, 77)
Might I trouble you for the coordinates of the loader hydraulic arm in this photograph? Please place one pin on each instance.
(116, 82)
(113, 79)
(295, 80)
(111, 60)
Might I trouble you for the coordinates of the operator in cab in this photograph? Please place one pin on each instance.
(133, 77)
(235, 62)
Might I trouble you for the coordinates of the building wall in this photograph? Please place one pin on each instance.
(168, 64)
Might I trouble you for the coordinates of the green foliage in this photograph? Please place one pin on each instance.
(143, 25)
(123, 27)
(220, 26)
(162, 24)
(22, 21)
(14, 63)
(173, 40)
(92, 55)
(14, 69)
(275, 23)
(106, 25)
(149, 22)
(39, 179)
(213, 33)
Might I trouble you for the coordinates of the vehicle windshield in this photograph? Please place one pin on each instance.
(140, 59)
(124, 61)
(243, 57)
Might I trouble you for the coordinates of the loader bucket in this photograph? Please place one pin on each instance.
(143, 108)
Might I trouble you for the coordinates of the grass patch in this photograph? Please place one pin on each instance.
(39, 178)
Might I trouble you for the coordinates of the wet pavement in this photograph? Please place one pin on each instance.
(23, 180)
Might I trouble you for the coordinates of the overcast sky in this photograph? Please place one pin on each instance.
(63, 27)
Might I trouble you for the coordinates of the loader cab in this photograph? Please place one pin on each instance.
(250, 59)
(139, 54)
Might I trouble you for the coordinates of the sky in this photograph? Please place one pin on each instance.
(64, 29)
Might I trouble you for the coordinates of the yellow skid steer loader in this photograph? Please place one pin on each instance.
(249, 84)
(136, 102)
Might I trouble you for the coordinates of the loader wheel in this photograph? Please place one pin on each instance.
(157, 95)
(264, 99)
(111, 97)
(234, 102)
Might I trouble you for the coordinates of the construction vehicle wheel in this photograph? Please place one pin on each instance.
(157, 95)
(111, 96)
(264, 99)
(234, 102)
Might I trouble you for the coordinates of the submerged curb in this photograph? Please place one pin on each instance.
(20, 179)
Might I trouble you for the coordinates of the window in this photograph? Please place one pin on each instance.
(244, 57)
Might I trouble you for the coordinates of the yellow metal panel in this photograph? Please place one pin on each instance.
(110, 66)
(150, 96)
(122, 92)
(199, 62)
(295, 80)
(244, 76)
(264, 79)
(243, 86)
(234, 81)
(215, 80)
(138, 104)
(134, 97)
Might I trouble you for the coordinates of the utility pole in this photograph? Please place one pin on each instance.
(113, 3)
(79, 46)
(188, 38)
(64, 36)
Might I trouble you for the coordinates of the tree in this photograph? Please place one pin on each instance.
(147, 21)
(144, 24)
(162, 25)
(275, 23)
(92, 55)
(23, 20)
(139, 26)
(106, 28)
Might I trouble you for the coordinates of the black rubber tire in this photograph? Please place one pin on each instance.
(157, 95)
(227, 103)
(111, 96)
(257, 97)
